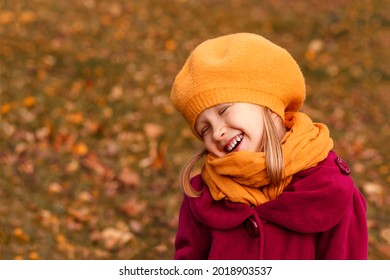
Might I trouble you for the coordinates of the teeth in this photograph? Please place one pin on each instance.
(235, 141)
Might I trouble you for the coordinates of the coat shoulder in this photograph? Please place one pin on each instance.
(326, 189)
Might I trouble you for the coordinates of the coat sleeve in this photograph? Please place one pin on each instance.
(192, 238)
(348, 239)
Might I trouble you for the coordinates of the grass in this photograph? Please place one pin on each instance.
(91, 147)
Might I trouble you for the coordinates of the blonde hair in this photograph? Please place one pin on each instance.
(272, 150)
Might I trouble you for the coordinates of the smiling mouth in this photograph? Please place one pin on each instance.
(234, 143)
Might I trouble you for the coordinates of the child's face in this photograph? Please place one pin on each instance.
(231, 127)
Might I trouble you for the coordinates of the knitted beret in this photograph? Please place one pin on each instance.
(240, 67)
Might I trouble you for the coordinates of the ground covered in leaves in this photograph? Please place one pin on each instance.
(91, 147)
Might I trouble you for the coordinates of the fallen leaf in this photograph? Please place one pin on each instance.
(170, 45)
(65, 246)
(29, 101)
(153, 131)
(60, 238)
(72, 166)
(91, 127)
(159, 160)
(5, 108)
(95, 236)
(114, 238)
(26, 17)
(75, 118)
(54, 188)
(371, 223)
(80, 149)
(371, 188)
(385, 234)
(374, 193)
(34, 256)
(116, 93)
(129, 178)
(6, 17)
(316, 45)
(383, 249)
(111, 188)
(101, 254)
(82, 215)
(85, 197)
(21, 235)
(135, 226)
(162, 248)
(43, 133)
(26, 166)
(132, 207)
(49, 220)
(73, 225)
(93, 163)
(156, 159)
(64, 139)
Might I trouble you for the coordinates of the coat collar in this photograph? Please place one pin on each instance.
(315, 201)
(221, 214)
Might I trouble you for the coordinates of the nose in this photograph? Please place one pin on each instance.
(219, 132)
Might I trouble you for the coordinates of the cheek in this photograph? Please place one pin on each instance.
(213, 149)
(208, 144)
(258, 134)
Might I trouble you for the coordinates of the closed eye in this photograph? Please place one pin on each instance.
(224, 108)
(204, 130)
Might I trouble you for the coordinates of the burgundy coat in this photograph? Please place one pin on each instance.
(321, 215)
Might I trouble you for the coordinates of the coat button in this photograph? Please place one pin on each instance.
(252, 227)
(343, 166)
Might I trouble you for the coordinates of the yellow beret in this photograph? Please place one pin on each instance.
(240, 67)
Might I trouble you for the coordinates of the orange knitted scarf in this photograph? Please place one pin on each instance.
(242, 176)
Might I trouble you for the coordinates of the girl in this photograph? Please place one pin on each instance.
(270, 187)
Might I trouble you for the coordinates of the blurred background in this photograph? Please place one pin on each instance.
(91, 147)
